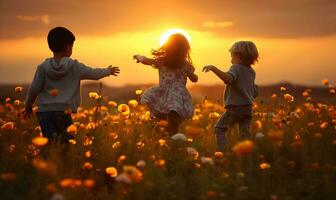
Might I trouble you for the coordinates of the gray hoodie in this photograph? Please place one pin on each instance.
(63, 77)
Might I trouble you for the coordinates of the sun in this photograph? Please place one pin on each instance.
(169, 32)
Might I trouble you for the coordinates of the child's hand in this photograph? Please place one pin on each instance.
(139, 58)
(208, 68)
(114, 70)
(27, 113)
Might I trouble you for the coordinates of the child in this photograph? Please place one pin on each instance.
(171, 99)
(240, 91)
(57, 85)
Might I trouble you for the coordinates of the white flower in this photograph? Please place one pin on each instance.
(123, 178)
(192, 152)
(57, 196)
(141, 164)
(207, 160)
(259, 135)
(179, 136)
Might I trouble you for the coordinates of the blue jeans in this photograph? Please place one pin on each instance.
(54, 125)
(241, 115)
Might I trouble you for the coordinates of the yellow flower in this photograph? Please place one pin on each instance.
(214, 115)
(138, 92)
(283, 88)
(40, 141)
(124, 109)
(264, 166)
(111, 171)
(162, 142)
(243, 148)
(133, 103)
(94, 95)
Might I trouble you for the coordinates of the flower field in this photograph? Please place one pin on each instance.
(120, 153)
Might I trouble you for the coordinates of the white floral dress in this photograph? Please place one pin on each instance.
(171, 94)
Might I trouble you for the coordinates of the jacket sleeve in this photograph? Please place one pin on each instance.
(89, 73)
(35, 87)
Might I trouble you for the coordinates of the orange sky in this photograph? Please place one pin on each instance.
(297, 41)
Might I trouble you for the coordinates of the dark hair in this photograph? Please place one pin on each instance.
(59, 38)
(175, 52)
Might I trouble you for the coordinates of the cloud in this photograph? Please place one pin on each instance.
(266, 18)
(43, 18)
(218, 24)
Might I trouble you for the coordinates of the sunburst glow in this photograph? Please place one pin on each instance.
(169, 32)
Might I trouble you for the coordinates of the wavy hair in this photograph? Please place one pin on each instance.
(175, 52)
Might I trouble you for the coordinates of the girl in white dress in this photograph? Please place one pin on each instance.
(170, 100)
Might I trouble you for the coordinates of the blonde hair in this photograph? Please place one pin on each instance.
(246, 50)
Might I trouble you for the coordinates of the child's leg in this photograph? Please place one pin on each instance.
(63, 121)
(222, 126)
(245, 126)
(174, 121)
(46, 121)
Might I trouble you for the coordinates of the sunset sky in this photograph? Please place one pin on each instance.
(296, 39)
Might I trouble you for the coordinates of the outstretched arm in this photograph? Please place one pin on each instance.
(144, 60)
(224, 76)
(89, 73)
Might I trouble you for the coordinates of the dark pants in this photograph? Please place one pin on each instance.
(54, 125)
(241, 115)
(174, 121)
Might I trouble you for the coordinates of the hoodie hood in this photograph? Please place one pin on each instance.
(56, 70)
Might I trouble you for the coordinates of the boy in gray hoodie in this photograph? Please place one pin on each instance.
(56, 84)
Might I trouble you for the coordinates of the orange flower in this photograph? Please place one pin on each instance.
(325, 82)
(264, 166)
(88, 154)
(87, 166)
(8, 126)
(257, 125)
(89, 183)
(243, 148)
(275, 134)
(8, 176)
(53, 92)
(18, 89)
(72, 129)
(214, 115)
(219, 154)
(111, 171)
(324, 125)
(163, 123)
(112, 103)
(160, 163)
(40, 141)
(288, 97)
(194, 131)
